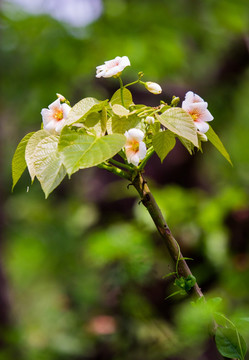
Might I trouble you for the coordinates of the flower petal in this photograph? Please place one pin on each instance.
(142, 150)
(134, 134)
(55, 105)
(202, 126)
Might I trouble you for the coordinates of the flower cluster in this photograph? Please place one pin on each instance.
(114, 134)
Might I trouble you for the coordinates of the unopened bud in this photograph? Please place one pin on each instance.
(153, 87)
(149, 120)
(202, 136)
(62, 99)
(175, 101)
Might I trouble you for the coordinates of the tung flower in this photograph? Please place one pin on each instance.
(197, 108)
(54, 117)
(135, 148)
(153, 87)
(112, 67)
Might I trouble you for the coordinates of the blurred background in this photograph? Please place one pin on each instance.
(81, 274)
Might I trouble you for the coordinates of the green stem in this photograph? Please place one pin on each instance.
(150, 152)
(132, 83)
(121, 90)
(113, 169)
(150, 203)
(119, 164)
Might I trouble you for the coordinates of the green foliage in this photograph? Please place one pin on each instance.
(124, 123)
(83, 108)
(47, 164)
(180, 123)
(215, 140)
(230, 343)
(185, 283)
(33, 142)
(127, 98)
(18, 162)
(163, 142)
(80, 151)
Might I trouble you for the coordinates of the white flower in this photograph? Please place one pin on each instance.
(149, 120)
(54, 117)
(135, 148)
(153, 87)
(197, 108)
(112, 67)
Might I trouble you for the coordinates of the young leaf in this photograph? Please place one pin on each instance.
(180, 123)
(120, 110)
(122, 124)
(30, 149)
(48, 165)
(116, 98)
(163, 142)
(82, 151)
(215, 140)
(18, 161)
(83, 108)
(230, 343)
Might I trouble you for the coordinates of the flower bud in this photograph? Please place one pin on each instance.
(175, 101)
(149, 120)
(153, 87)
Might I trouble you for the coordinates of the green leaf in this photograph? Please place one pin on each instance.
(180, 292)
(187, 144)
(116, 98)
(185, 283)
(230, 343)
(215, 140)
(120, 110)
(30, 149)
(82, 151)
(18, 161)
(180, 123)
(163, 142)
(48, 165)
(93, 124)
(83, 108)
(122, 124)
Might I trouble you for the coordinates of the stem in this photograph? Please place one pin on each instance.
(113, 169)
(150, 203)
(119, 164)
(132, 83)
(121, 90)
(150, 152)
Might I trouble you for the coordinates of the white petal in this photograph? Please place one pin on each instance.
(134, 134)
(55, 105)
(206, 116)
(66, 108)
(60, 124)
(125, 61)
(202, 126)
(134, 159)
(50, 126)
(142, 150)
(192, 97)
(47, 116)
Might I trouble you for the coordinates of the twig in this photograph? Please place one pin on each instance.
(150, 203)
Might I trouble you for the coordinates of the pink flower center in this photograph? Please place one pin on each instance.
(195, 116)
(58, 115)
(134, 145)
